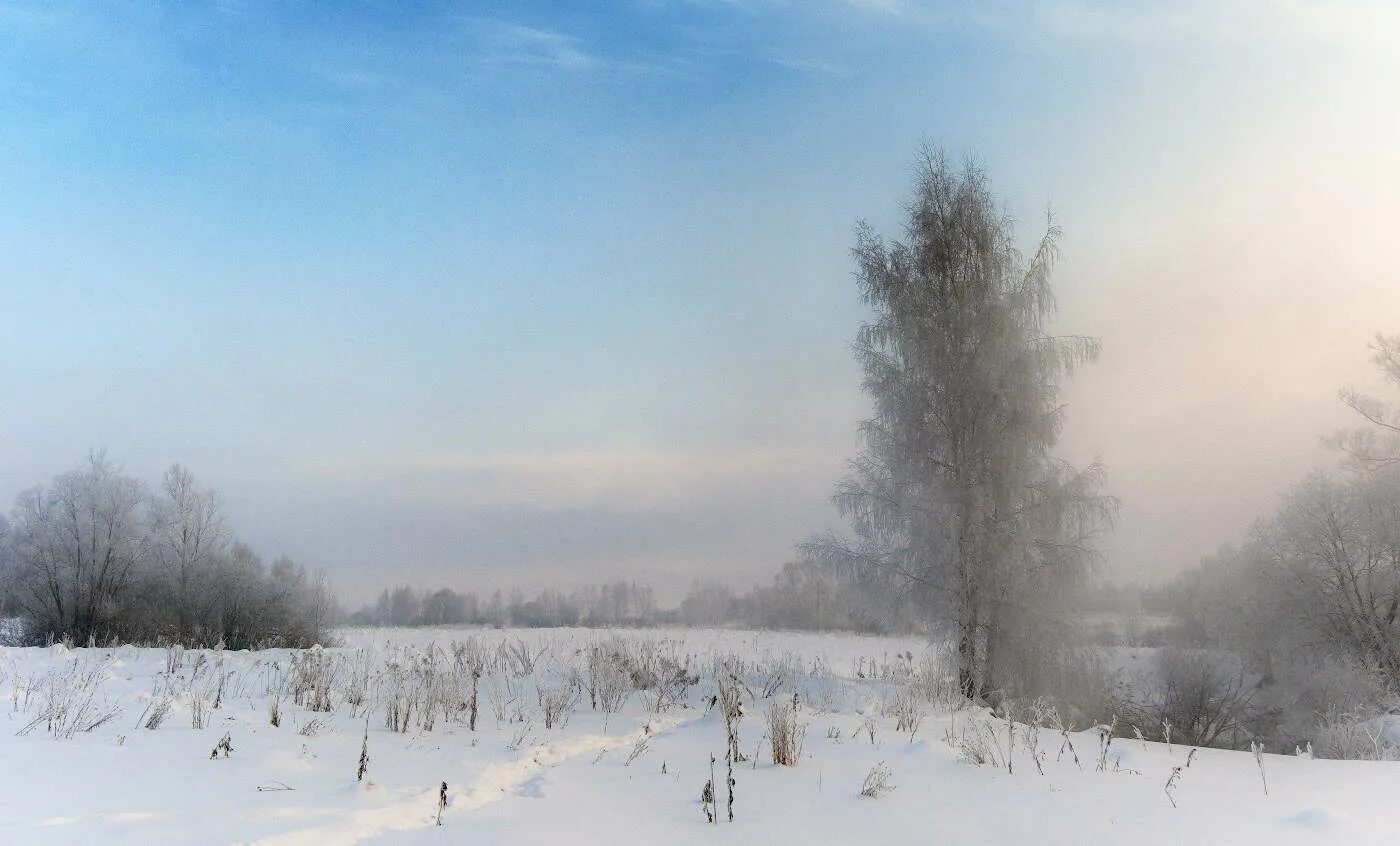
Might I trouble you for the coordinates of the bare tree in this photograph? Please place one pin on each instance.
(93, 557)
(78, 544)
(955, 493)
(1337, 542)
(1378, 445)
(189, 539)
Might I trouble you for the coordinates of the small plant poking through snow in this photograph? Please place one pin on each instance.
(158, 710)
(731, 706)
(729, 781)
(868, 726)
(442, 802)
(364, 754)
(707, 796)
(225, 745)
(1172, 781)
(199, 712)
(877, 782)
(907, 710)
(640, 748)
(313, 727)
(785, 733)
(1105, 733)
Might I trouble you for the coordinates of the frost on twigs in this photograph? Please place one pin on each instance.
(877, 782)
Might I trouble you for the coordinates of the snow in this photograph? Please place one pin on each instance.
(574, 784)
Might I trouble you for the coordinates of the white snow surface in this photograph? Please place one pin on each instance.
(515, 782)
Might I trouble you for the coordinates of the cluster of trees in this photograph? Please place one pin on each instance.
(956, 500)
(616, 604)
(1322, 574)
(1312, 599)
(95, 556)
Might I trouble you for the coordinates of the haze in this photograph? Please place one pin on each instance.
(517, 296)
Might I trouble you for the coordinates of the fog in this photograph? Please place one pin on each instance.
(608, 336)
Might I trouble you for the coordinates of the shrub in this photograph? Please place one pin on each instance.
(785, 733)
(1354, 736)
(1202, 695)
(877, 782)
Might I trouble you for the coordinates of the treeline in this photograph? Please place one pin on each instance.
(804, 596)
(616, 604)
(1293, 636)
(95, 556)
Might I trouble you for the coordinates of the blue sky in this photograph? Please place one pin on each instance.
(508, 292)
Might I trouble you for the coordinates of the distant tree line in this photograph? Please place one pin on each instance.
(95, 556)
(803, 596)
(616, 604)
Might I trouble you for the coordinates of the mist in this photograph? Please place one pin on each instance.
(627, 354)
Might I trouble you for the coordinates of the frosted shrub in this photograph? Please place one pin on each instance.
(868, 725)
(505, 700)
(936, 679)
(557, 703)
(1203, 695)
(672, 681)
(312, 673)
(519, 657)
(314, 726)
(199, 711)
(606, 678)
(776, 677)
(877, 782)
(1353, 736)
(158, 710)
(785, 733)
(71, 701)
(977, 743)
(907, 710)
(357, 681)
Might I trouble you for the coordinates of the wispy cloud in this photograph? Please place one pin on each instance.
(807, 65)
(503, 43)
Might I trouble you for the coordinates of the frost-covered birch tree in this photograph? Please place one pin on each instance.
(955, 494)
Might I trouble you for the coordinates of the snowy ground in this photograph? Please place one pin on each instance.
(634, 776)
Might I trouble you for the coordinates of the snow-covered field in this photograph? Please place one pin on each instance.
(631, 776)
